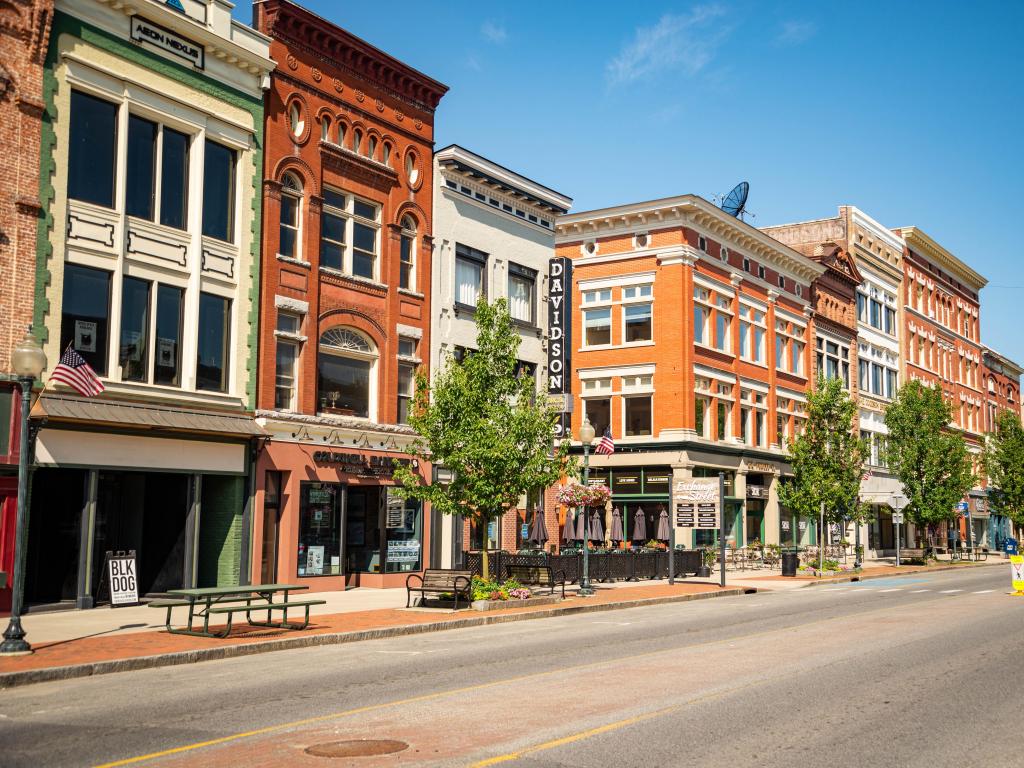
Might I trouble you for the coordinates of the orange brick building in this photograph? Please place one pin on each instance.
(345, 304)
(1001, 384)
(692, 340)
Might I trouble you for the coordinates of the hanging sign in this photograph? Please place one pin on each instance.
(122, 576)
(1017, 573)
(696, 499)
(560, 338)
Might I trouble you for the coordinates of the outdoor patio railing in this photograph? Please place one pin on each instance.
(604, 566)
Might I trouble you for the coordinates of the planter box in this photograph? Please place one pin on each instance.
(499, 605)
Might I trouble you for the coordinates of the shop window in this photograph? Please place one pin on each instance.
(522, 287)
(132, 355)
(470, 269)
(403, 526)
(219, 192)
(319, 545)
(85, 314)
(92, 160)
(346, 372)
(407, 258)
(214, 343)
(597, 326)
(638, 415)
(599, 413)
(291, 205)
(638, 322)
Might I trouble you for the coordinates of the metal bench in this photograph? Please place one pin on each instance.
(440, 581)
(539, 575)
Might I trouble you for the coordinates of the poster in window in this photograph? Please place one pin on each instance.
(315, 561)
(132, 344)
(165, 352)
(85, 336)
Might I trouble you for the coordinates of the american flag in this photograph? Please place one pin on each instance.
(605, 445)
(75, 372)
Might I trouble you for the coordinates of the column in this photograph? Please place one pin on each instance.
(740, 492)
(86, 599)
(772, 518)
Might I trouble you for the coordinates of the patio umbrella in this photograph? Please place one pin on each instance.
(596, 526)
(568, 535)
(581, 525)
(538, 529)
(662, 525)
(617, 535)
(639, 525)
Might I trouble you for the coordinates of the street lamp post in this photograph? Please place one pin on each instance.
(28, 362)
(586, 437)
(897, 503)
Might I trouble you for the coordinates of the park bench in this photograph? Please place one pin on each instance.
(537, 575)
(913, 553)
(440, 581)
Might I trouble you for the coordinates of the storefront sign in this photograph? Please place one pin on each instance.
(123, 578)
(785, 525)
(170, 42)
(756, 466)
(360, 464)
(1017, 573)
(757, 492)
(560, 336)
(403, 551)
(696, 499)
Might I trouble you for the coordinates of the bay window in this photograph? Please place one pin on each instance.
(92, 150)
(470, 275)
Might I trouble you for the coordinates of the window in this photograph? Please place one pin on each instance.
(219, 192)
(521, 290)
(92, 159)
(470, 284)
(796, 349)
(595, 297)
(700, 415)
(298, 124)
(599, 413)
(406, 346)
(349, 234)
(891, 383)
(746, 265)
(319, 539)
(346, 369)
(146, 142)
(638, 415)
(406, 390)
(170, 303)
(407, 256)
(325, 128)
(371, 148)
(723, 322)
(702, 243)
(722, 419)
(173, 178)
(634, 292)
(597, 327)
(288, 340)
(875, 317)
(291, 203)
(890, 321)
(760, 272)
(700, 324)
(752, 333)
(864, 375)
(140, 184)
(638, 322)
(85, 314)
(723, 253)
(214, 336)
(862, 307)
(132, 356)
(833, 360)
(357, 141)
(782, 281)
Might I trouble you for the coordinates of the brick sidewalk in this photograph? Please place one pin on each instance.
(108, 653)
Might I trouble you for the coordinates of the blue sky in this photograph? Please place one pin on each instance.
(911, 111)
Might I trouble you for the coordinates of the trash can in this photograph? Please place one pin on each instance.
(790, 561)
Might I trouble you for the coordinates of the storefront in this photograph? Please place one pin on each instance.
(331, 517)
(640, 494)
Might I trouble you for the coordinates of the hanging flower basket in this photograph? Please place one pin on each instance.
(577, 495)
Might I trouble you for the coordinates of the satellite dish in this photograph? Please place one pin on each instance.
(735, 202)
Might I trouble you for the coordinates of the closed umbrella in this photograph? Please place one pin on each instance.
(581, 524)
(663, 525)
(538, 529)
(567, 529)
(639, 525)
(616, 535)
(596, 526)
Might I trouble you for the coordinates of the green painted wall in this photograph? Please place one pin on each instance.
(220, 531)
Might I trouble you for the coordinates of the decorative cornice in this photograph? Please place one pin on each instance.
(921, 243)
(355, 166)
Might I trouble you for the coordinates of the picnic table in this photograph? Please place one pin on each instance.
(206, 602)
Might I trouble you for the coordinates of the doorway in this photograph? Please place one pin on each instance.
(54, 535)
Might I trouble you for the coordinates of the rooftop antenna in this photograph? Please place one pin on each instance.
(735, 203)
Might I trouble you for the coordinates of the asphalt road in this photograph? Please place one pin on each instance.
(907, 671)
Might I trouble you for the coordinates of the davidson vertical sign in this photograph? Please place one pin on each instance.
(560, 339)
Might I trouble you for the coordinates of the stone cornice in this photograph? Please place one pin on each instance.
(921, 243)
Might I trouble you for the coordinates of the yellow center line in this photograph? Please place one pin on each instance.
(471, 688)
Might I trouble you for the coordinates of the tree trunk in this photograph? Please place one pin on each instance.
(485, 564)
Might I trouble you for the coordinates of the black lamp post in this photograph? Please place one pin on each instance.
(586, 437)
(28, 362)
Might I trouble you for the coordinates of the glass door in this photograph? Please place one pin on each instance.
(271, 527)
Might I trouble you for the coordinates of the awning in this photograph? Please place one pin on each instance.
(149, 417)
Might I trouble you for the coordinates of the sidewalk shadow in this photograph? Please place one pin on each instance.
(46, 646)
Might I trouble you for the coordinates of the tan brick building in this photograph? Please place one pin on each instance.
(692, 342)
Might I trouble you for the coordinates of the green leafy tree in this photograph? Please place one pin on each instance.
(930, 460)
(827, 458)
(481, 420)
(1004, 464)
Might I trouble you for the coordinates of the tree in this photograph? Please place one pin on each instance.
(481, 420)
(827, 458)
(930, 460)
(1004, 464)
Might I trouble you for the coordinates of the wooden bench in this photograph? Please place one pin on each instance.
(539, 575)
(913, 553)
(249, 608)
(440, 581)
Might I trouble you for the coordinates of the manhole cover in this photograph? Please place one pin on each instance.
(356, 748)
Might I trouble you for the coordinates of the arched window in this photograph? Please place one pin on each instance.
(347, 374)
(291, 207)
(386, 153)
(325, 128)
(371, 149)
(407, 274)
(341, 134)
(295, 118)
(357, 141)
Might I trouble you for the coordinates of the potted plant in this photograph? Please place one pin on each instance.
(708, 557)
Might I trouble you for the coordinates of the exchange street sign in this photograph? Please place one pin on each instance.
(696, 503)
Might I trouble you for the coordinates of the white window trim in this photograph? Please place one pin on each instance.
(348, 216)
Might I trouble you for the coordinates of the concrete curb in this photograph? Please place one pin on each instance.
(868, 577)
(49, 674)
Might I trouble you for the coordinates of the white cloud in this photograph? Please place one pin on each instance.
(684, 43)
(794, 32)
(494, 32)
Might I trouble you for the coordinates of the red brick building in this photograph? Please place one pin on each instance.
(1001, 380)
(692, 339)
(24, 35)
(345, 304)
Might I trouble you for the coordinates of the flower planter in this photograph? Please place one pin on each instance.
(500, 605)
